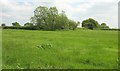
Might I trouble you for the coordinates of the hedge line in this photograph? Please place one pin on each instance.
(20, 27)
(112, 29)
(35, 28)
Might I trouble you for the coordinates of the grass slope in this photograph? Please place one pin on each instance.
(79, 49)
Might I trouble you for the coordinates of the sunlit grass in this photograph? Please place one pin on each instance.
(79, 49)
(0, 48)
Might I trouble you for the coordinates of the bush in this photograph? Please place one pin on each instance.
(90, 24)
(43, 46)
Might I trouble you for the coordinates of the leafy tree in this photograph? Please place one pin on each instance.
(52, 18)
(73, 24)
(40, 15)
(49, 19)
(28, 24)
(104, 26)
(90, 24)
(3, 24)
(78, 23)
(63, 20)
(15, 24)
(59, 25)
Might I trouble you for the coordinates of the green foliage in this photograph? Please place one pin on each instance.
(104, 26)
(3, 25)
(72, 25)
(28, 24)
(90, 24)
(15, 24)
(44, 46)
(20, 27)
(49, 19)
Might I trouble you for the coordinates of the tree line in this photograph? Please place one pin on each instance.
(49, 19)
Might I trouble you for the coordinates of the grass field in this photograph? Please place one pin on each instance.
(0, 48)
(79, 49)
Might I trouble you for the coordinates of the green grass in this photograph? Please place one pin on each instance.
(0, 48)
(79, 49)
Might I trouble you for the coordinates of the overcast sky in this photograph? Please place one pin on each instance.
(21, 10)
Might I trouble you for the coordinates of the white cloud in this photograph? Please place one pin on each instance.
(21, 11)
(101, 10)
(15, 11)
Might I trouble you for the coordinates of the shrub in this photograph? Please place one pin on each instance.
(43, 46)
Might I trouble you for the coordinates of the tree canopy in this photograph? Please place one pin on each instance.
(15, 24)
(3, 24)
(104, 26)
(49, 19)
(28, 24)
(45, 18)
(90, 24)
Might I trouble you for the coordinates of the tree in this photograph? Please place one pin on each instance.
(104, 26)
(40, 15)
(78, 23)
(49, 19)
(28, 24)
(60, 23)
(52, 18)
(3, 24)
(90, 24)
(73, 24)
(15, 24)
(63, 21)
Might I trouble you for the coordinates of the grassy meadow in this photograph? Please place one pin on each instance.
(0, 48)
(79, 49)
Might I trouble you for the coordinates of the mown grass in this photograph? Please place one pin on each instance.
(79, 49)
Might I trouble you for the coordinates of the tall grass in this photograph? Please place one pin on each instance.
(0, 48)
(79, 49)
